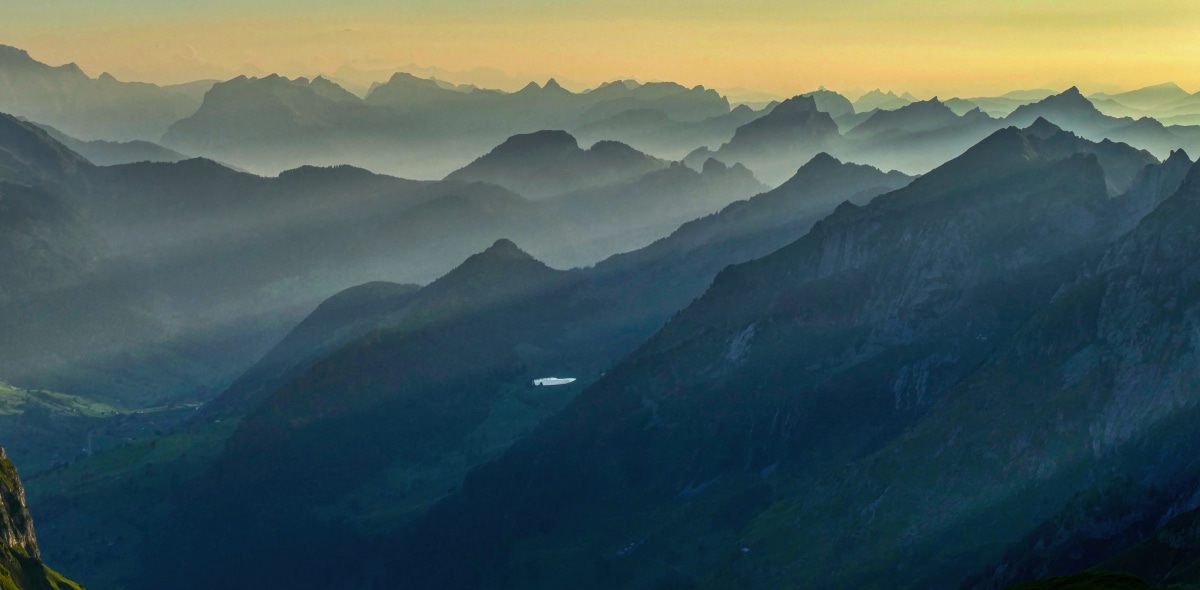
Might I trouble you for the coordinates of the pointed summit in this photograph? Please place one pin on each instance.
(553, 86)
(1041, 128)
(500, 274)
(1178, 156)
(505, 250)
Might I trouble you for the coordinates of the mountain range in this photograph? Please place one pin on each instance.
(630, 337)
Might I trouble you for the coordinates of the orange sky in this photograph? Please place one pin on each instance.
(944, 47)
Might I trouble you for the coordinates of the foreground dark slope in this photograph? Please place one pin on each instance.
(1115, 354)
(391, 422)
(21, 567)
(789, 367)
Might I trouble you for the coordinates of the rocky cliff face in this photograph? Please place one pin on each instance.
(16, 527)
(20, 561)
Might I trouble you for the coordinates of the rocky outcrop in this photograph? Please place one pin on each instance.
(21, 567)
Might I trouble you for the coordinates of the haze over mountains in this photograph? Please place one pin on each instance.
(273, 333)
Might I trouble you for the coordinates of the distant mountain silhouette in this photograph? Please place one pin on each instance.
(549, 163)
(877, 99)
(272, 124)
(1072, 111)
(1150, 98)
(655, 132)
(776, 144)
(831, 102)
(112, 153)
(85, 107)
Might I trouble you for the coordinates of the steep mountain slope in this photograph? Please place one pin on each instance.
(396, 418)
(21, 567)
(788, 368)
(85, 107)
(662, 278)
(44, 245)
(548, 163)
(338, 321)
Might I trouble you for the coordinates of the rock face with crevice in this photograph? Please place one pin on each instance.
(21, 567)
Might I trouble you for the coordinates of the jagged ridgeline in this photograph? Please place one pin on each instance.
(21, 567)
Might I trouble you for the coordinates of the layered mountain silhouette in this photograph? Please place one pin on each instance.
(85, 107)
(112, 153)
(776, 144)
(880, 100)
(654, 131)
(629, 337)
(271, 124)
(548, 163)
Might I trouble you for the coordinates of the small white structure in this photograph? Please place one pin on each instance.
(553, 381)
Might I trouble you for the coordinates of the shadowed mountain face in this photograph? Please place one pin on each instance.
(789, 368)
(84, 107)
(21, 567)
(883, 101)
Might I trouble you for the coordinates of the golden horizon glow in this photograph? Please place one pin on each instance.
(928, 47)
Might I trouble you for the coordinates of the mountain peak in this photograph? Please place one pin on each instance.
(552, 85)
(822, 160)
(505, 249)
(1041, 128)
(794, 105)
(1178, 156)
